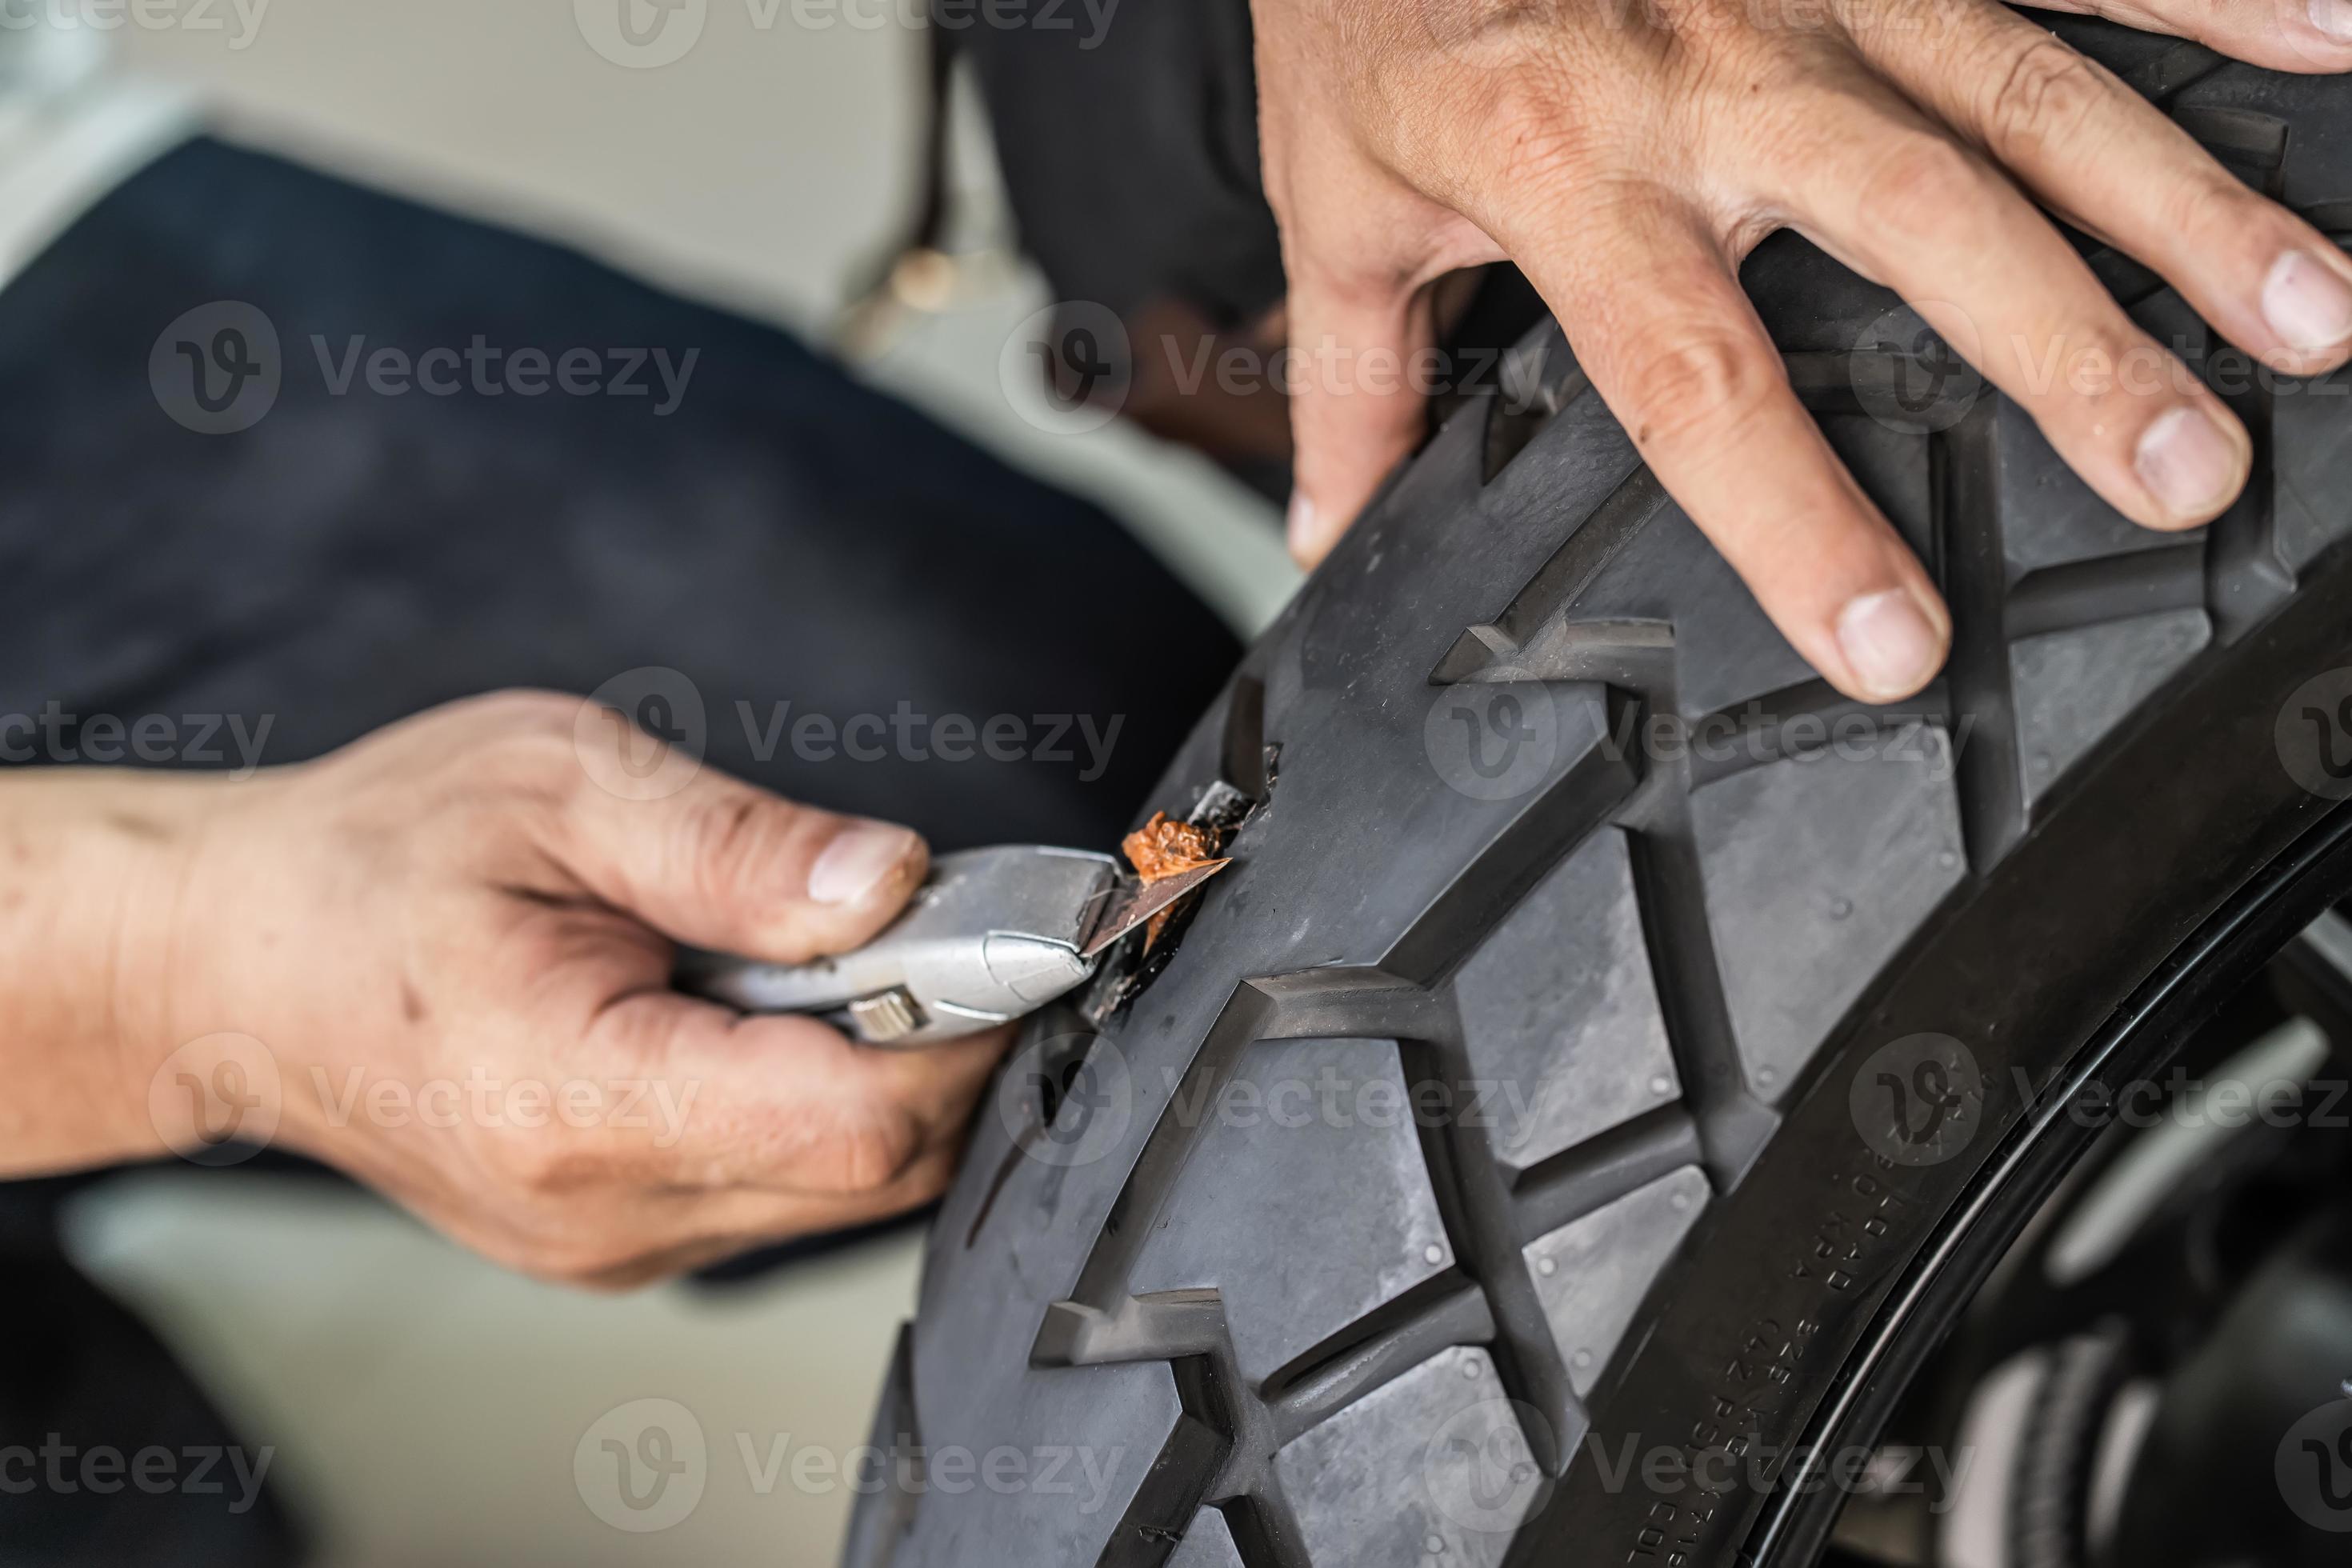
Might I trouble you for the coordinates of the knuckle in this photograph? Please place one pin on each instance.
(1696, 383)
(2213, 204)
(543, 1169)
(528, 731)
(931, 1178)
(1926, 187)
(2044, 95)
(729, 842)
(2119, 366)
(870, 1153)
(523, 708)
(522, 744)
(1526, 128)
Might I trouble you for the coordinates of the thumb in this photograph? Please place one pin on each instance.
(1358, 405)
(722, 864)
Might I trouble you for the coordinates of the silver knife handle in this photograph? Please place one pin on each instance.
(992, 934)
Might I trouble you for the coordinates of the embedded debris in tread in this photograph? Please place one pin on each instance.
(1164, 847)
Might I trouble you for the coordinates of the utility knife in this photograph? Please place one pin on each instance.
(992, 934)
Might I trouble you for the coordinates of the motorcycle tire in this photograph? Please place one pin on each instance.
(1606, 1033)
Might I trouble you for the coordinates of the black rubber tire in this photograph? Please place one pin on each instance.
(1183, 1330)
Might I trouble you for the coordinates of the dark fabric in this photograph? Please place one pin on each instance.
(109, 1453)
(783, 535)
(1130, 152)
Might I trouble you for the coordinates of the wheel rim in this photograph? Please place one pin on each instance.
(2049, 1145)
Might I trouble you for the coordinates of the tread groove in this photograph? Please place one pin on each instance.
(1609, 528)
(1474, 1202)
(1172, 1489)
(1604, 1168)
(1517, 859)
(1102, 1279)
(1370, 1353)
(1757, 726)
(1670, 896)
(1964, 496)
(2106, 588)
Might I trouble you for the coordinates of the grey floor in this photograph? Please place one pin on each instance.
(424, 1405)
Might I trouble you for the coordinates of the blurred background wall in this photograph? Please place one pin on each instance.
(424, 1406)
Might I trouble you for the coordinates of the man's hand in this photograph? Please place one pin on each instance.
(456, 948)
(1627, 153)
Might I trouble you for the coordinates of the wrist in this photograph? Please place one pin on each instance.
(95, 868)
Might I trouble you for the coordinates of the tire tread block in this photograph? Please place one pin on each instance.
(2072, 687)
(1208, 1543)
(1594, 1272)
(2311, 468)
(1559, 1011)
(1311, 1138)
(2049, 516)
(1432, 1466)
(1817, 868)
(1101, 1430)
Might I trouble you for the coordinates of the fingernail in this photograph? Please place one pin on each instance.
(2307, 302)
(2187, 463)
(1301, 523)
(857, 861)
(1891, 647)
(2332, 17)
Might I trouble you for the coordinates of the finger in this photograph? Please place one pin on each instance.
(781, 1102)
(1356, 411)
(2114, 165)
(728, 1224)
(1904, 204)
(1650, 304)
(721, 864)
(2284, 34)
